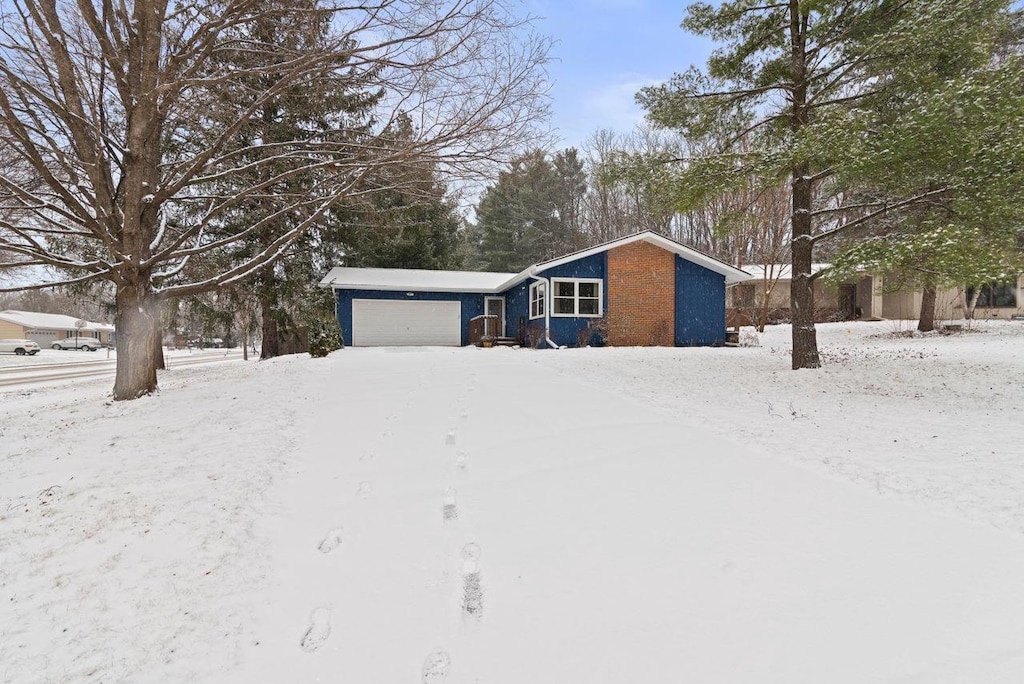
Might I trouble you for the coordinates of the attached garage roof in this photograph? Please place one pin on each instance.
(413, 279)
(46, 321)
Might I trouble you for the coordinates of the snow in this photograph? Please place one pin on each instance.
(398, 279)
(506, 515)
(777, 271)
(32, 319)
(72, 357)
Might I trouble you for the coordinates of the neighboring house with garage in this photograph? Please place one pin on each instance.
(45, 328)
(865, 296)
(640, 290)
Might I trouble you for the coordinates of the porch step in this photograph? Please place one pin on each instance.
(504, 342)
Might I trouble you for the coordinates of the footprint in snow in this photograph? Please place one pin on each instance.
(366, 456)
(435, 667)
(449, 509)
(331, 541)
(461, 460)
(472, 585)
(364, 490)
(318, 631)
(450, 437)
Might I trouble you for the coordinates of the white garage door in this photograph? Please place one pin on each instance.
(382, 322)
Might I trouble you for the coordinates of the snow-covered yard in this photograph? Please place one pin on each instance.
(48, 356)
(595, 515)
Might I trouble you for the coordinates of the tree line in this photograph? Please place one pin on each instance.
(547, 204)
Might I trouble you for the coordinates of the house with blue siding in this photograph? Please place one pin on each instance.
(640, 290)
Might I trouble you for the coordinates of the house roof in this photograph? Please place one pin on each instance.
(415, 279)
(731, 273)
(398, 279)
(45, 321)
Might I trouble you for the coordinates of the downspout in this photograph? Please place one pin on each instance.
(547, 310)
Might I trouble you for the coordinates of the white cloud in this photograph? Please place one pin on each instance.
(610, 105)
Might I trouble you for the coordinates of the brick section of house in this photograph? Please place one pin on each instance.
(641, 295)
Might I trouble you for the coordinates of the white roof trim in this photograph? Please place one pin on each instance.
(420, 280)
(731, 273)
(413, 280)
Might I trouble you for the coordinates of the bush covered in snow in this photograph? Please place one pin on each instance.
(324, 337)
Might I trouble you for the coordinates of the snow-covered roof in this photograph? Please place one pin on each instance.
(413, 279)
(399, 279)
(777, 271)
(45, 321)
(731, 273)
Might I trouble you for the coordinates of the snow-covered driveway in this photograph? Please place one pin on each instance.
(467, 516)
(614, 545)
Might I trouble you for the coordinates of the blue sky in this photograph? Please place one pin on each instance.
(606, 50)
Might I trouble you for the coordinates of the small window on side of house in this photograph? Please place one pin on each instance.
(537, 300)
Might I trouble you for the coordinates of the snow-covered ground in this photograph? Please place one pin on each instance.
(47, 357)
(594, 515)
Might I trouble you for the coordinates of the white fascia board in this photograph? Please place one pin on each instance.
(731, 273)
(413, 280)
(395, 288)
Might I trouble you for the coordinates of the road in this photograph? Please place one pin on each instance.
(76, 370)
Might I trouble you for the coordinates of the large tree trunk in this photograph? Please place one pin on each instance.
(158, 351)
(926, 322)
(137, 317)
(271, 341)
(137, 327)
(801, 298)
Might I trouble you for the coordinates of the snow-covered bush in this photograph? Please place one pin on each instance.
(324, 337)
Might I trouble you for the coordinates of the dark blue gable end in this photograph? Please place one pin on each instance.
(472, 305)
(700, 305)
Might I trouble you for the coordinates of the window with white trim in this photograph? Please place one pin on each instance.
(537, 300)
(576, 297)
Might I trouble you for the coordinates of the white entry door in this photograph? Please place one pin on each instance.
(384, 322)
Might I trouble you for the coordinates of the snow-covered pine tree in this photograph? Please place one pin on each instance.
(812, 79)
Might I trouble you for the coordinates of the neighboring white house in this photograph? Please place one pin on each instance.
(44, 328)
(866, 297)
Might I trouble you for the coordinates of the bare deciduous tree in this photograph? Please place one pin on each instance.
(98, 101)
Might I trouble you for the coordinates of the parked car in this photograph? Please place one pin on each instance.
(19, 347)
(86, 343)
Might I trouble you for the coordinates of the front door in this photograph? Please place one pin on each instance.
(848, 302)
(495, 306)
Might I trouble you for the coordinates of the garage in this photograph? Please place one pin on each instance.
(382, 322)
